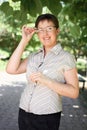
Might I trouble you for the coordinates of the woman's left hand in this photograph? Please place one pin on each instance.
(38, 78)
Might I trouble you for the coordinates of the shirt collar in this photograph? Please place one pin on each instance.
(56, 49)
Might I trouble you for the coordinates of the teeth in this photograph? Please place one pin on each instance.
(46, 38)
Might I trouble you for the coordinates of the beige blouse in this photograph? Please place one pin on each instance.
(41, 99)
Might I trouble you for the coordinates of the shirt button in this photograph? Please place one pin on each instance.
(45, 71)
(31, 93)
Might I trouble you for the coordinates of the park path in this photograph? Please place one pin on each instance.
(74, 115)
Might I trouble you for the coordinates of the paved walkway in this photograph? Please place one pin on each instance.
(74, 116)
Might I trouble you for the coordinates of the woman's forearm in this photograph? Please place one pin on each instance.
(67, 90)
(70, 89)
(15, 65)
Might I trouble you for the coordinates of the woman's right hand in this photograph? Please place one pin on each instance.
(27, 33)
(15, 64)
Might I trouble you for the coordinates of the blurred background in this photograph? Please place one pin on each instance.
(72, 15)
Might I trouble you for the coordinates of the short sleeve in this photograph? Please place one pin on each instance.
(70, 62)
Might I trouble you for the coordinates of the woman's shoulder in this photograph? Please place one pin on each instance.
(67, 54)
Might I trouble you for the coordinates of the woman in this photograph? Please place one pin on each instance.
(51, 73)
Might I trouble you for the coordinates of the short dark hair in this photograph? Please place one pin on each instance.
(49, 17)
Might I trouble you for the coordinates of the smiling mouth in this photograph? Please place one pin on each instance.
(47, 38)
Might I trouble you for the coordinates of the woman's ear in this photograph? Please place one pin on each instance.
(58, 31)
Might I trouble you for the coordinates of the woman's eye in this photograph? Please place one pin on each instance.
(50, 28)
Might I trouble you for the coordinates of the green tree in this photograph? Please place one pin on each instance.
(72, 15)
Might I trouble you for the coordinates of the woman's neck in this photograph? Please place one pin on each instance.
(47, 49)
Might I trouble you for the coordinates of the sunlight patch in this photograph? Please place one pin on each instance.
(85, 115)
(1, 94)
(75, 106)
(71, 115)
(62, 114)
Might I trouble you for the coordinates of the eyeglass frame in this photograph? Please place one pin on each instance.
(40, 30)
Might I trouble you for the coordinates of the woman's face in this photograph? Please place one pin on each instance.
(47, 33)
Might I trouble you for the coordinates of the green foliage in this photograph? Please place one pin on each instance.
(45, 3)
(32, 6)
(75, 31)
(6, 8)
(72, 15)
(81, 66)
(7, 43)
(55, 7)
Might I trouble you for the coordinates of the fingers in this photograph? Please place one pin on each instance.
(28, 30)
(39, 78)
(35, 77)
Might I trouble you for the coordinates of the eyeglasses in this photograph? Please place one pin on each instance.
(47, 29)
